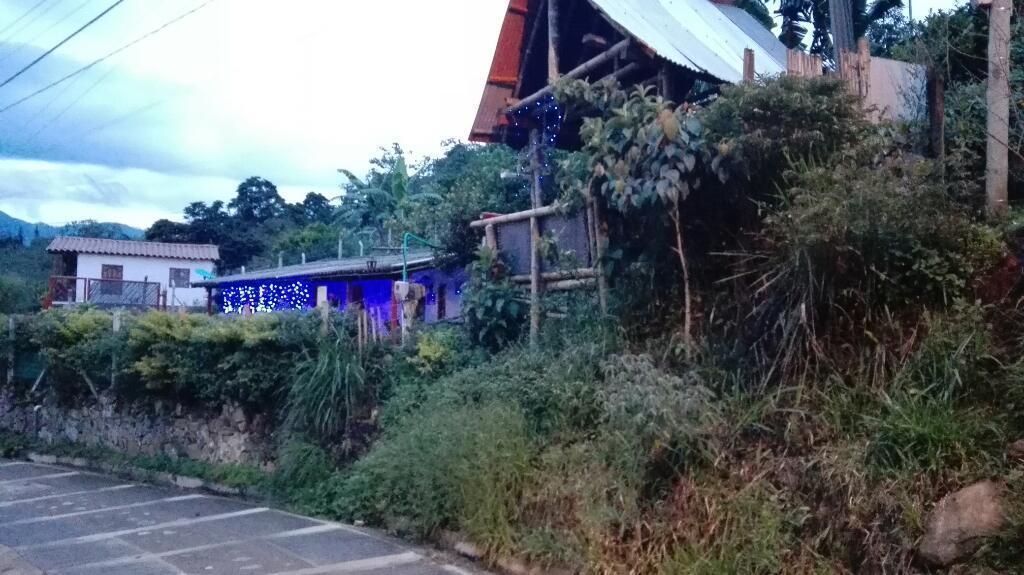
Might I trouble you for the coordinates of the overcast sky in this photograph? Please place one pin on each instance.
(289, 90)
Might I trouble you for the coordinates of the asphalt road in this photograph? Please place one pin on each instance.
(69, 521)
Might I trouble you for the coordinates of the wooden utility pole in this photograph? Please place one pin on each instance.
(552, 41)
(841, 21)
(998, 103)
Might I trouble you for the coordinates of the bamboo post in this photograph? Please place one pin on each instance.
(535, 165)
(748, 66)
(491, 237)
(601, 241)
(553, 41)
(998, 105)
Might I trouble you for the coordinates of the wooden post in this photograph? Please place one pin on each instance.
(936, 114)
(552, 41)
(535, 166)
(491, 237)
(998, 103)
(601, 241)
(12, 339)
(864, 67)
(209, 301)
(116, 327)
(748, 66)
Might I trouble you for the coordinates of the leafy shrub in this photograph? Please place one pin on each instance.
(212, 360)
(78, 347)
(441, 468)
(494, 309)
(760, 129)
(649, 410)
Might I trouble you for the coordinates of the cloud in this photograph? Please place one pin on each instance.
(289, 91)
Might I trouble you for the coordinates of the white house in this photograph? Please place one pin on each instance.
(127, 273)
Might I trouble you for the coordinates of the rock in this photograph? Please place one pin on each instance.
(1016, 449)
(960, 522)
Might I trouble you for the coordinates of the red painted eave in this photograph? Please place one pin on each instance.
(503, 75)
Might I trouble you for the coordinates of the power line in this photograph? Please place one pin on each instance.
(108, 55)
(10, 37)
(22, 17)
(70, 105)
(61, 43)
(47, 29)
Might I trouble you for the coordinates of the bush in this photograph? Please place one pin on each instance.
(494, 309)
(327, 390)
(300, 466)
(442, 468)
(762, 128)
(78, 347)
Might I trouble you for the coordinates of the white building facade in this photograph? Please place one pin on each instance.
(125, 273)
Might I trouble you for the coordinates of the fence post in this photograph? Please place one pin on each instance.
(10, 352)
(113, 354)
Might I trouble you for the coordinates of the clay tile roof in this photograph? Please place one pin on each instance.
(63, 244)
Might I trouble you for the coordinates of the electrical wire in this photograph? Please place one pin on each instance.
(22, 17)
(47, 29)
(8, 39)
(105, 57)
(61, 43)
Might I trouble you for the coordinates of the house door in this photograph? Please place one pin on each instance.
(112, 277)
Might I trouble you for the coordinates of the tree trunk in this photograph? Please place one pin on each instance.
(841, 22)
(687, 317)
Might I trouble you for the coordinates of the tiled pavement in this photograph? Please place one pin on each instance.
(67, 521)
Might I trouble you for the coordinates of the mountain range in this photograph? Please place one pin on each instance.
(11, 227)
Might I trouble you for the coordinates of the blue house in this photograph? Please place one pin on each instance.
(364, 281)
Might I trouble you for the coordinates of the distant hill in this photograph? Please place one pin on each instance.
(10, 227)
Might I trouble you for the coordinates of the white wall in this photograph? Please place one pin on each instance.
(156, 270)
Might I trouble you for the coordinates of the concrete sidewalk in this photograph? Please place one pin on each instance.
(63, 520)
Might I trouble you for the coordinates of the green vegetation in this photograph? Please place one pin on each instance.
(805, 350)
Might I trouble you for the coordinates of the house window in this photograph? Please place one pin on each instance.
(180, 278)
(112, 279)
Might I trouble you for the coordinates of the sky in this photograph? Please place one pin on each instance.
(289, 90)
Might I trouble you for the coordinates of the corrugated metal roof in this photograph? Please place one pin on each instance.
(65, 244)
(691, 33)
(764, 37)
(356, 266)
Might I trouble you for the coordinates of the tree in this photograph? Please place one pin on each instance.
(256, 201)
(798, 14)
(94, 229)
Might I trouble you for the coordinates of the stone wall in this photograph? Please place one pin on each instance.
(228, 437)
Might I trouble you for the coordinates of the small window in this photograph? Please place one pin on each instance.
(111, 282)
(180, 278)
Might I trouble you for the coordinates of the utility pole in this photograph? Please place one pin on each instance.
(998, 104)
(841, 21)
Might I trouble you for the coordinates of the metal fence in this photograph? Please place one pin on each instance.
(67, 290)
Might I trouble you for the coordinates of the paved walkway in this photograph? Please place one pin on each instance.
(69, 521)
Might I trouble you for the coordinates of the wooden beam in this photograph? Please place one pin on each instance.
(519, 216)
(534, 31)
(581, 273)
(998, 103)
(578, 72)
